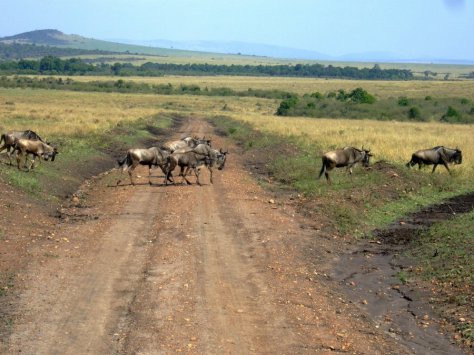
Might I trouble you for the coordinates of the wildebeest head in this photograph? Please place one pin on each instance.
(366, 157)
(457, 157)
(221, 158)
(51, 155)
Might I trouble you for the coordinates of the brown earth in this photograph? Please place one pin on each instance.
(219, 269)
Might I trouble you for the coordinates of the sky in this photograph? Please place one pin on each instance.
(406, 28)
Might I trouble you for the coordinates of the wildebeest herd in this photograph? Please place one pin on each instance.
(25, 143)
(191, 153)
(349, 156)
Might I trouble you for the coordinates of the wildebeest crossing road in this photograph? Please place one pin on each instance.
(215, 269)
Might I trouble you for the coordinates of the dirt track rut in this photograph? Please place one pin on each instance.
(215, 269)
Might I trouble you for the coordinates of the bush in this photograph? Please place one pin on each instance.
(451, 115)
(414, 113)
(286, 106)
(403, 101)
(317, 95)
(361, 96)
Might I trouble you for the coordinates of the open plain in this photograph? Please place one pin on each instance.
(239, 266)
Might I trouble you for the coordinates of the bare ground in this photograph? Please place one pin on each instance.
(218, 269)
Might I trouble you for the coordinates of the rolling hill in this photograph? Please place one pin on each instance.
(55, 38)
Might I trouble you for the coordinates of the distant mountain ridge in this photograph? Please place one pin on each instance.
(56, 38)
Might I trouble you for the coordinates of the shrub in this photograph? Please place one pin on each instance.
(403, 101)
(451, 115)
(361, 96)
(341, 95)
(286, 106)
(414, 113)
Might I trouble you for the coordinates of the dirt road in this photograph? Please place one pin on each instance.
(217, 269)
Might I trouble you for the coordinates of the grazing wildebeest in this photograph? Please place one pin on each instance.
(435, 156)
(192, 159)
(345, 157)
(9, 140)
(36, 149)
(152, 157)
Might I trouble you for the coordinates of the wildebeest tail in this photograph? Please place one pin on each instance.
(2, 138)
(323, 168)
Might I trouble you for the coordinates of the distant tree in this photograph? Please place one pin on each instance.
(361, 96)
(403, 101)
(414, 113)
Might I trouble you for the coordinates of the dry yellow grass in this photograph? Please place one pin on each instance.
(69, 113)
(381, 89)
(77, 113)
(392, 141)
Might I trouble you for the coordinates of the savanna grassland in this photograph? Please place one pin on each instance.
(87, 124)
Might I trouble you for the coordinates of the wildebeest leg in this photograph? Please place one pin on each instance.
(34, 161)
(328, 179)
(349, 168)
(196, 172)
(149, 175)
(32, 165)
(446, 166)
(18, 159)
(434, 168)
(183, 172)
(120, 179)
(10, 153)
(210, 173)
(130, 174)
(167, 173)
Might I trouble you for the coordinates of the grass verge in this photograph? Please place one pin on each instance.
(445, 259)
(372, 198)
(81, 156)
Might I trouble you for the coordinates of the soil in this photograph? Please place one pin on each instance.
(368, 271)
(225, 268)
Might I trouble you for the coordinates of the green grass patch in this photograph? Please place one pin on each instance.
(446, 251)
(371, 199)
(444, 257)
(81, 156)
(362, 105)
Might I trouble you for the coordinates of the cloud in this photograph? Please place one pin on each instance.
(455, 4)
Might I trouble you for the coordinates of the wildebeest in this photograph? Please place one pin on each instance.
(9, 140)
(36, 149)
(191, 159)
(435, 156)
(152, 157)
(345, 157)
(190, 142)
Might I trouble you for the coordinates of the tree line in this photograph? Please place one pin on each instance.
(128, 86)
(51, 65)
(16, 51)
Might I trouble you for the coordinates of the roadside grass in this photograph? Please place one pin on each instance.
(371, 199)
(445, 258)
(413, 89)
(374, 198)
(82, 156)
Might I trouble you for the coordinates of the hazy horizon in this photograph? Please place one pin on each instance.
(405, 29)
